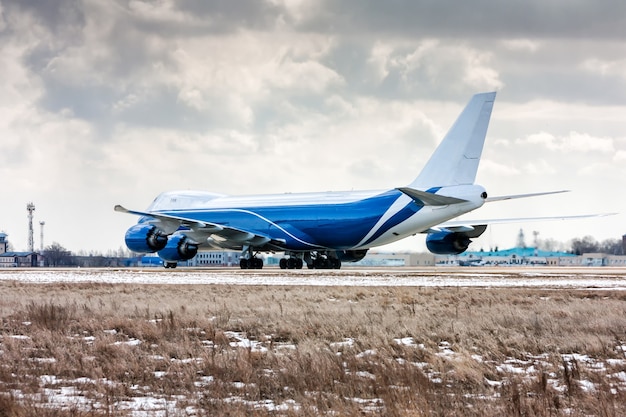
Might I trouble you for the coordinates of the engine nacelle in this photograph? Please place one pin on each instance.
(448, 243)
(351, 255)
(145, 238)
(178, 248)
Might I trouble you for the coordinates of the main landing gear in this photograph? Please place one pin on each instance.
(249, 260)
(314, 260)
(291, 263)
(252, 263)
(294, 260)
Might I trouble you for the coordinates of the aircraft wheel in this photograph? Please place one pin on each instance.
(291, 263)
(258, 263)
(170, 265)
(243, 263)
(299, 263)
(336, 263)
(283, 263)
(321, 263)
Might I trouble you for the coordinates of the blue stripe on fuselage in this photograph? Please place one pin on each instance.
(408, 210)
(343, 226)
(336, 226)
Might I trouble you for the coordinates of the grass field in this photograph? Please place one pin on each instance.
(82, 349)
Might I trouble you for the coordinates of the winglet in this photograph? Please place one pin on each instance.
(455, 161)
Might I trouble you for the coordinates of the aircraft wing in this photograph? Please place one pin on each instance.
(214, 234)
(171, 223)
(471, 225)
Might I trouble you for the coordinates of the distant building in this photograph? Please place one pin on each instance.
(530, 256)
(216, 258)
(4, 243)
(16, 259)
(202, 259)
(395, 259)
(602, 259)
(19, 260)
(513, 256)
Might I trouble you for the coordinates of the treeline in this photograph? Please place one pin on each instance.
(588, 244)
(58, 256)
(578, 246)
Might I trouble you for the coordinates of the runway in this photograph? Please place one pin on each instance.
(608, 278)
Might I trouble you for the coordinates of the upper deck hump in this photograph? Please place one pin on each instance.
(193, 200)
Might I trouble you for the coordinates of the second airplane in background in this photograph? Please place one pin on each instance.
(322, 230)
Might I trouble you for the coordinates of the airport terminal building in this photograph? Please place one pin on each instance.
(530, 257)
(10, 259)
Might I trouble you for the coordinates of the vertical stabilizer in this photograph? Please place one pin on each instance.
(455, 161)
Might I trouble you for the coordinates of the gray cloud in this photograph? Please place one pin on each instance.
(60, 17)
(120, 100)
(477, 19)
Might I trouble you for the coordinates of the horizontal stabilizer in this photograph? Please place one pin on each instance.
(428, 199)
(511, 197)
(476, 223)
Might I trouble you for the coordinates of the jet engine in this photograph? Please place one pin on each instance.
(452, 243)
(145, 238)
(179, 248)
(351, 255)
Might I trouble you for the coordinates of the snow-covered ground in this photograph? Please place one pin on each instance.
(596, 278)
(67, 393)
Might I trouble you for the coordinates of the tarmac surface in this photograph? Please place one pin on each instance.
(608, 278)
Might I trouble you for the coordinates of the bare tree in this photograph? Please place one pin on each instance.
(586, 244)
(551, 245)
(57, 255)
(612, 247)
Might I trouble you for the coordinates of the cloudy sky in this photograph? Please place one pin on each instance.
(107, 102)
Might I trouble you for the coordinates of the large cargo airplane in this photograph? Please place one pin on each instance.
(322, 230)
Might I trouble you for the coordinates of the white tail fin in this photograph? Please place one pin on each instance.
(455, 161)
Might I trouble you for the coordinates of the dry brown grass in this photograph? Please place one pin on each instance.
(317, 350)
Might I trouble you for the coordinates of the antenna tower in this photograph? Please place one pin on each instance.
(521, 242)
(30, 207)
(41, 224)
